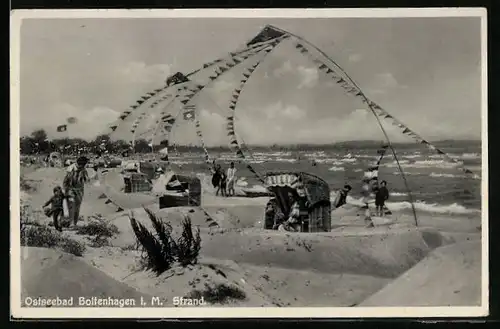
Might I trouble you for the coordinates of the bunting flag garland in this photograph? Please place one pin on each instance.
(354, 90)
(200, 136)
(233, 142)
(179, 79)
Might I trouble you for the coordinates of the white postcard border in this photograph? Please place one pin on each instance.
(248, 312)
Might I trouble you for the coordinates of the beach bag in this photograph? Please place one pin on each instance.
(65, 208)
(47, 211)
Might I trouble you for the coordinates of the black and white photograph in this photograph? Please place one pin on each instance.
(249, 163)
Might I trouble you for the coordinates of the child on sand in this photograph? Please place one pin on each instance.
(56, 209)
(381, 197)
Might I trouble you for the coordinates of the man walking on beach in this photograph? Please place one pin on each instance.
(74, 186)
(381, 197)
(231, 178)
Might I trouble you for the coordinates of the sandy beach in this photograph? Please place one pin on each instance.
(351, 265)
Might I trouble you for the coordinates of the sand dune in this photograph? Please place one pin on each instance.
(385, 265)
(50, 274)
(449, 276)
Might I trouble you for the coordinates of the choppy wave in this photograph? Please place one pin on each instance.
(436, 208)
(411, 156)
(334, 168)
(424, 164)
(319, 154)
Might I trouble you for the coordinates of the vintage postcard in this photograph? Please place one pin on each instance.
(249, 163)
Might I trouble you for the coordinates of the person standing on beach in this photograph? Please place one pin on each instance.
(74, 186)
(216, 178)
(223, 183)
(56, 207)
(381, 196)
(231, 179)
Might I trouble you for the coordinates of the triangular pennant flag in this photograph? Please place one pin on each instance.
(113, 128)
(146, 97)
(134, 106)
(140, 101)
(239, 153)
(213, 77)
(341, 80)
(158, 90)
(246, 75)
(323, 66)
(123, 116)
(232, 107)
(388, 116)
(299, 46)
(467, 171)
(406, 131)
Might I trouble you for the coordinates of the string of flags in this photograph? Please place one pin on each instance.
(185, 89)
(233, 141)
(223, 65)
(351, 89)
(200, 136)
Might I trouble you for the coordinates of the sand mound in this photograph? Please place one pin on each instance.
(174, 216)
(381, 253)
(181, 282)
(298, 288)
(48, 273)
(449, 276)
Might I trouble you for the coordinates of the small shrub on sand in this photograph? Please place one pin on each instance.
(98, 228)
(218, 294)
(162, 250)
(45, 237)
(34, 234)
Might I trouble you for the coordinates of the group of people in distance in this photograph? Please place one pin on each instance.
(223, 181)
(379, 190)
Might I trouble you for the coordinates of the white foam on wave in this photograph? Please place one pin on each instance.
(273, 154)
(424, 164)
(285, 160)
(411, 156)
(319, 154)
(436, 208)
(334, 168)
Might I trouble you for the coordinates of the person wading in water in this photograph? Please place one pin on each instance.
(74, 187)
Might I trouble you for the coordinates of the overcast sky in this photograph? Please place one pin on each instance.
(424, 71)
